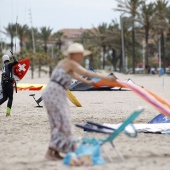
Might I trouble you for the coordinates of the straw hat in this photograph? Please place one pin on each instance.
(76, 48)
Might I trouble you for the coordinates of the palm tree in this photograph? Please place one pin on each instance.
(87, 40)
(161, 24)
(167, 15)
(11, 32)
(100, 39)
(59, 38)
(40, 59)
(115, 42)
(127, 34)
(94, 56)
(22, 34)
(146, 19)
(45, 35)
(167, 40)
(29, 44)
(131, 7)
(114, 45)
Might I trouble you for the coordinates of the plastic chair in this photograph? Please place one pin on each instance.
(110, 132)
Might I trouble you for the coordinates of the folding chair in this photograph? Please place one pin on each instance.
(110, 132)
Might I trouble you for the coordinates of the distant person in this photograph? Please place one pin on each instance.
(55, 99)
(148, 68)
(153, 71)
(7, 82)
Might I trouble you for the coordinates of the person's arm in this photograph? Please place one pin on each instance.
(10, 65)
(77, 77)
(77, 68)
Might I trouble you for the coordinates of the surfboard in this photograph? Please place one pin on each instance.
(73, 99)
(19, 71)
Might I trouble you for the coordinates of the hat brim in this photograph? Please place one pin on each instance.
(85, 53)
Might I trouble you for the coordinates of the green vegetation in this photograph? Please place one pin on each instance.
(144, 25)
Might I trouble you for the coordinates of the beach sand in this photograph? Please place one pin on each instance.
(24, 136)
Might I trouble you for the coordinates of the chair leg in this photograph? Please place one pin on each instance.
(108, 155)
(117, 151)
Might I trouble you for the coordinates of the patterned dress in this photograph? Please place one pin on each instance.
(55, 100)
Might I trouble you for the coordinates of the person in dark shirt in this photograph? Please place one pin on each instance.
(7, 82)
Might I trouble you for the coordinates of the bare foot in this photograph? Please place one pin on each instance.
(53, 155)
(58, 155)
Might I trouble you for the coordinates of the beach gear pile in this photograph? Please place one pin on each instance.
(85, 155)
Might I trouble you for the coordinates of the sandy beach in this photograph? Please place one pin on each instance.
(24, 136)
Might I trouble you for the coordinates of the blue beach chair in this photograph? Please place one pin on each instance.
(110, 132)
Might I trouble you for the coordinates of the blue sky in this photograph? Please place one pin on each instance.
(58, 14)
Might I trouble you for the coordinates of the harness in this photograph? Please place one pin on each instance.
(7, 76)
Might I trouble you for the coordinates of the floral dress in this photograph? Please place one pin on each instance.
(55, 101)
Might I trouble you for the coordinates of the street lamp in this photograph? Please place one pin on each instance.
(123, 44)
(159, 54)
(143, 52)
(32, 32)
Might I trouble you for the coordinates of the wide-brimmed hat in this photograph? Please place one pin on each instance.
(76, 48)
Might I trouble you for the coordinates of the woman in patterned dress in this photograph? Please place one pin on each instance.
(55, 99)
